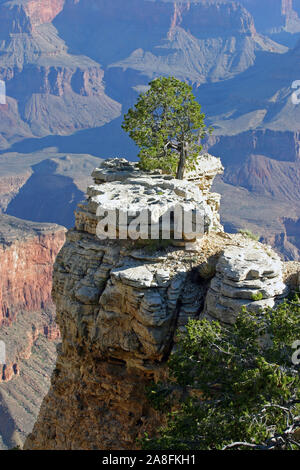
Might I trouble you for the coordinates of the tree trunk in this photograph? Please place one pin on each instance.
(182, 161)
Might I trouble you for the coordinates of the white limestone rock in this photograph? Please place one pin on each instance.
(121, 187)
(247, 276)
(205, 171)
(137, 276)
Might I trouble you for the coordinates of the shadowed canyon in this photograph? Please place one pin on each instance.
(72, 69)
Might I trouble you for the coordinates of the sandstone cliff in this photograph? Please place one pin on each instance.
(120, 301)
(49, 91)
(44, 11)
(27, 254)
(27, 322)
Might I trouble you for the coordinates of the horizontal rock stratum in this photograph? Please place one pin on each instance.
(27, 322)
(119, 303)
(27, 254)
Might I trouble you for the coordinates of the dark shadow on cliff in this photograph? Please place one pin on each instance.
(47, 197)
(7, 425)
(104, 142)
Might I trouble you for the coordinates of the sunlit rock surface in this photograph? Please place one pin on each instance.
(119, 303)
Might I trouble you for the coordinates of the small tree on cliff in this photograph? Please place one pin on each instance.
(167, 124)
(233, 387)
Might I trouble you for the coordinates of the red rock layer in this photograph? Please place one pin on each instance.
(36, 325)
(26, 274)
(43, 11)
(10, 186)
(27, 254)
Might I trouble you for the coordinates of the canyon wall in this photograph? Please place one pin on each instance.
(274, 16)
(49, 91)
(43, 11)
(27, 322)
(27, 255)
(22, 16)
(66, 89)
(204, 42)
(10, 186)
(119, 301)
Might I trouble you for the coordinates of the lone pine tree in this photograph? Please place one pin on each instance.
(167, 124)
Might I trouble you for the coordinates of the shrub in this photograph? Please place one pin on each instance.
(249, 234)
(232, 387)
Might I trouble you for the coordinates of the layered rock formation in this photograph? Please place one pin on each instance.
(58, 99)
(206, 41)
(247, 276)
(120, 187)
(34, 186)
(27, 252)
(119, 302)
(27, 322)
(21, 16)
(43, 12)
(49, 91)
(21, 397)
(274, 15)
(259, 145)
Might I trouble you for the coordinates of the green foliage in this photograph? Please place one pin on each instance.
(232, 385)
(249, 234)
(167, 124)
(257, 296)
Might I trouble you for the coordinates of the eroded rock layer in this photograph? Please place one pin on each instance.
(27, 254)
(119, 302)
(247, 276)
(27, 322)
(48, 90)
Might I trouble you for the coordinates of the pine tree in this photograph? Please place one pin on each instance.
(167, 124)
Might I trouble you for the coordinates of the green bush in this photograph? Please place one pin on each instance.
(232, 387)
(257, 296)
(249, 234)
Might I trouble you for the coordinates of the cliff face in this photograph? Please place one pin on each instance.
(43, 11)
(27, 321)
(267, 176)
(48, 90)
(9, 188)
(58, 99)
(202, 42)
(120, 301)
(14, 19)
(27, 255)
(274, 15)
(21, 16)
